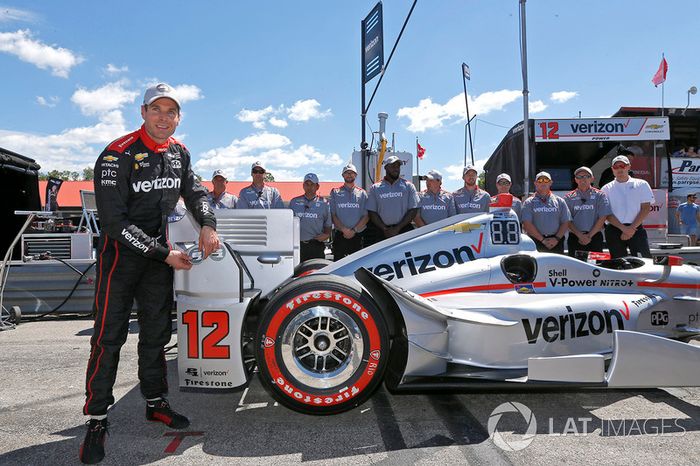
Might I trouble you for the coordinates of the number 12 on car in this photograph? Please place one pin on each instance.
(206, 346)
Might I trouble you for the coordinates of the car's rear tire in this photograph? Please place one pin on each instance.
(322, 345)
(309, 266)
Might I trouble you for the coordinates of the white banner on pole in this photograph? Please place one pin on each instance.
(602, 129)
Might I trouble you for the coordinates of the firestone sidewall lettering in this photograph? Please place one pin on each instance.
(158, 183)
(416, 265)
(573, 325)
(341, 394)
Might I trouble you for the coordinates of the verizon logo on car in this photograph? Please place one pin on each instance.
(158, 183)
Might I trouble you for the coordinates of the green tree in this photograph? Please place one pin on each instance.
(481, 181)
(88, 174)
(269, 177)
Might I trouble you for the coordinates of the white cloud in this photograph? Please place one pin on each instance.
(305, 110)
(278, 122)
(50, 102)
(77, 148)
(112, 69)
(276, 151)
(8, 14)
(72, 149)
(188, 92)
(255, 116)
(109, 97)
(301, 110)
(562, 96)
(430, 115)
(21, 44)
(536, 106)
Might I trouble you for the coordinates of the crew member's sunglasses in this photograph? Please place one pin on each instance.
(543, 179)
(617, 166)
(259, 171)
(504, 182)
(582, 177)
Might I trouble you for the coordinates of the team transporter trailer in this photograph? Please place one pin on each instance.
(467, 301)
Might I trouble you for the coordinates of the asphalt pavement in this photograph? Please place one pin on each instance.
(42, 392)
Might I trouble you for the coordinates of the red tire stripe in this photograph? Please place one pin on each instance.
(98, 343)
(348, 392)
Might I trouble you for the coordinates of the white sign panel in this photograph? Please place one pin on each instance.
(603, 129)
(686, 172)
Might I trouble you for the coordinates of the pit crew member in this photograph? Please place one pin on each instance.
(258, 195)
(545, 216)
(434, 203)
(219, 198)
(392, 203)
(348, 205)
(470, 198)
(589, 207)
(503, 185)
(314, 219)
(630, 202)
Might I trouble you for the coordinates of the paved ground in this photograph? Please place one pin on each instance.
(41, 394)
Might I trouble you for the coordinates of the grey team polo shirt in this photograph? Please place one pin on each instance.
(546, 214)
(434, 207)
(252, 198)
(470, 201)
(587, 207)
(314, 215)
(392, 201)
(349, 205)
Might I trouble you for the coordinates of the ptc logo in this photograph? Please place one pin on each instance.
(512, 444)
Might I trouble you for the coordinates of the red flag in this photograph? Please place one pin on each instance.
(660, 75)
(420, 150)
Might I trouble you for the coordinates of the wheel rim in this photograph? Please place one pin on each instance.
(322, 347)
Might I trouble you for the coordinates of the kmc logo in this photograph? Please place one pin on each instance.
(512, 445)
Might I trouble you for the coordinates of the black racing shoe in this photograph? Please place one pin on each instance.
(92, 450)
(160, 411)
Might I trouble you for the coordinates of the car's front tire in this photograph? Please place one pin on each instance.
(309, 266)
(322, 345)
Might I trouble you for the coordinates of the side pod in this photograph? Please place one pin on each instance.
(641, 360)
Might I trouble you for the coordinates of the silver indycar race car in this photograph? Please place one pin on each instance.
(466, 302)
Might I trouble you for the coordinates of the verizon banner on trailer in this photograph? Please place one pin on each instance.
(603, 129)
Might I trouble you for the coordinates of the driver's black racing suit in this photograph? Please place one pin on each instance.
(137, 184)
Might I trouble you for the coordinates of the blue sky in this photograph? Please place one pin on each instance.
(279, 81)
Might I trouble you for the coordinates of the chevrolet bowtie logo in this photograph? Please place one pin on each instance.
(655, 126)
(463, 227)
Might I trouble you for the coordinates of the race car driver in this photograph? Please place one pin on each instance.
(138, 180)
